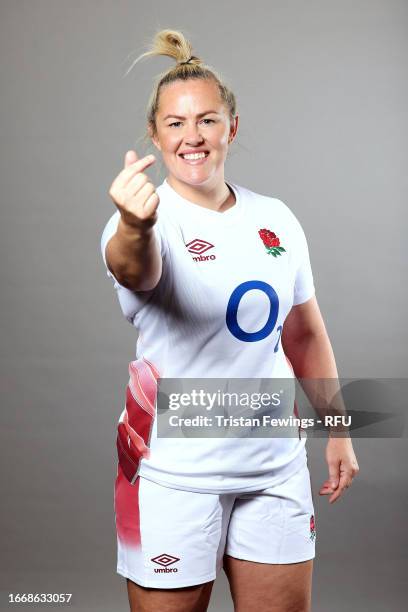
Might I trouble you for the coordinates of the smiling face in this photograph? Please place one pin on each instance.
(192, 119)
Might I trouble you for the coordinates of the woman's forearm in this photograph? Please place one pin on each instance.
(134, 257)
(314, 365)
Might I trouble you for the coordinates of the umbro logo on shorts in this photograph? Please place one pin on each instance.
(198, 247)
(165, 560)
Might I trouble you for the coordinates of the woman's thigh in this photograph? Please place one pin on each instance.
(276, 525)
(169, 539)
(266, 587)
(271, 546)
(187, 599)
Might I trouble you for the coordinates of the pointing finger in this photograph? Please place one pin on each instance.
(137, 166)
(130, 171)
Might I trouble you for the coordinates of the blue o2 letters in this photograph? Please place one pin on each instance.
(232, 311)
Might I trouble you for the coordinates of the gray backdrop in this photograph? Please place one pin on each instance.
(322, 98)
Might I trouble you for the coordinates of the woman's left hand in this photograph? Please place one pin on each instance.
(343, 466)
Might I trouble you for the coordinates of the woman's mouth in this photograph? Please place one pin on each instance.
(194, 159)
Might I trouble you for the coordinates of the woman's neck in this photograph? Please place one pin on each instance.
(218, 198)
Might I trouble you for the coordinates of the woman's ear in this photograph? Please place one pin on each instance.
(233, 129)
(153, 138)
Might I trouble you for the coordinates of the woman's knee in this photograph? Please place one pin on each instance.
(188, 599)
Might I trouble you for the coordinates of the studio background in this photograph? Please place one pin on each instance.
(322, 98)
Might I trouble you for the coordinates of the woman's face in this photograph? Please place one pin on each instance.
(192, 118)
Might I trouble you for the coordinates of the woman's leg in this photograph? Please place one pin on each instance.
(186, 599)
(271, 546)
(170, 544)
(265, 587)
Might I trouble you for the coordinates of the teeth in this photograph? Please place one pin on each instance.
(194, 155)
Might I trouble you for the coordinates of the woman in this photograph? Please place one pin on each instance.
(199, 264)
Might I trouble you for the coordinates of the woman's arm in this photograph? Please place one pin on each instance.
(134, 258)
(133, 253)
(306, 343)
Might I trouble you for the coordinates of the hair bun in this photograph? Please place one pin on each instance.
(192, 57)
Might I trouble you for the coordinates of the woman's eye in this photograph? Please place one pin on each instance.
(175, 123)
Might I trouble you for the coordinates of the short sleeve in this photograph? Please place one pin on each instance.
(304, 287)
(131, 302)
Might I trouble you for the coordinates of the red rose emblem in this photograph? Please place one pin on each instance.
(312, 527)
(271, 242)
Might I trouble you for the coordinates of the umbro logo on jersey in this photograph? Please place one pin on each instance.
(197, 247)
(165, 560)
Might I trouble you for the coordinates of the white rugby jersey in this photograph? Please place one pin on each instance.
(228, 282)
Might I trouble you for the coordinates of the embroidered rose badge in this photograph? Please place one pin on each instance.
(271, 242)
(312, 527)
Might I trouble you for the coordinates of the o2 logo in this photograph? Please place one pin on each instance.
(232, 312)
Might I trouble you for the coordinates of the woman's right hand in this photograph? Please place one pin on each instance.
(133, 193)
(133, 253)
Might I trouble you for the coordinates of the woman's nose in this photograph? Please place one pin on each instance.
(192, 134)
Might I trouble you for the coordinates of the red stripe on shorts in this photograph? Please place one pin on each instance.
(127, 516)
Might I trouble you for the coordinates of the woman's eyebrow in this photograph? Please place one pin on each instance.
(198, 115)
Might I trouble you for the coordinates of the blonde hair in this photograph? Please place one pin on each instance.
(175, 45)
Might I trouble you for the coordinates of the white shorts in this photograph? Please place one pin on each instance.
(169, 538)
